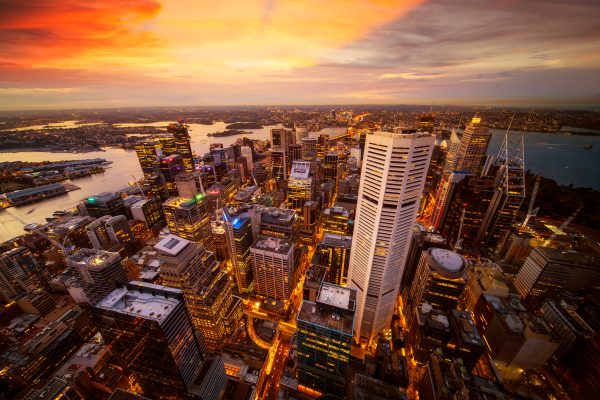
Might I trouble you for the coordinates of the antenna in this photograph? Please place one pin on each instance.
(431, 109)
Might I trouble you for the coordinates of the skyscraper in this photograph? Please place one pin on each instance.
(440, 279)
(473, 145)
(335, 254)
(331, 167)
(149, 329)
(187, 218)
(167, 168)
(97, 232)
(106, 203)
(273, 268)
(97, 272)
(182, 141)
(188, 266)
(118, 230)
(188, 185)
(445, 193)
(301, 186)
(452, 157)
(242, 225)
(324, 339)
(426, 122)
(149, 211)
(296, 152)
(547, 268)
(17, 273)
(309, 149)
(247, 154)
(395, 167)
(322, 146)
(146, 153)
(279, 162)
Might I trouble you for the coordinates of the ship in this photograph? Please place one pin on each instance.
(588, 147)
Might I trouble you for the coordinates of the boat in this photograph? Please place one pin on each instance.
(106, 163)
(30, 211)
(588, 147)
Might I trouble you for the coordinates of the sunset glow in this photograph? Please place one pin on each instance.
(142, 52)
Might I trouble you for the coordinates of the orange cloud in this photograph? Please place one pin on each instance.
(51, 32)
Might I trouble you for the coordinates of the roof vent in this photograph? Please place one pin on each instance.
(139, 311)
(159, 315)
(151, 314)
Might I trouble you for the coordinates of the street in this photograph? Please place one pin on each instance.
(270, 386)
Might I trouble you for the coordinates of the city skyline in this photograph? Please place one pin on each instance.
(155, 53)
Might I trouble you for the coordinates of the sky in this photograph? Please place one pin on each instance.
(117, 53)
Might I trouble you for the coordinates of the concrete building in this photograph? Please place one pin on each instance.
(473, 146)
(188, 266)
(188, 218)
(169, 359)
(325, 330)
(301, 185)
(440, 279)
(273, 267)
(549, 268)
(386, 213)
(97, 272)
(335, 255)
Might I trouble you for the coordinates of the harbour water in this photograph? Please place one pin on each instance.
(559, 157)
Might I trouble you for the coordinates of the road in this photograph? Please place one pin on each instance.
(270, 388)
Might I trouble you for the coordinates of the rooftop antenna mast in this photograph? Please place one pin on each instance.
(431, 109)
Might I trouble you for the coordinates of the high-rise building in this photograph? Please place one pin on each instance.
(335, 254)
(322, 146)
(445, 193)
(279, 162)
(283, 138)
(187, 218)
(188, 185)
(188, 266)
(421, 240)
(395, 167)
(473, 145)
(440, 279)
(301, 185)
(17, 273)
(331, 167)
(166, 169)
(547, 268)
(220, 240)
(452, 152)
(97, 272)
(325, 330)
(273, 267)
(478, 198)
(182, 141)
(247, 154)
(426, 121)
(296, 152)
(106, 203)
(149, 211)
(242, 225)
(149, 329)
(315, 276)
(97, 232)
(309, 148)
(168, 146)
(146, 153)
(280, 224)
(338, 220)
(511, 175)
(157, 189)
(118, 230)
(301, 133)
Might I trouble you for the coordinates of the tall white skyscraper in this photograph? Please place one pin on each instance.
(394, 171)
(452, 156)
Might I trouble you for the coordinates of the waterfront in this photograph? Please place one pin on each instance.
(559, 157)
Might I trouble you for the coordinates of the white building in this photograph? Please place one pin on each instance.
(394, 172)
(273, 265)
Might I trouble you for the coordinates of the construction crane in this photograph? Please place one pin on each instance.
(531, 212)
(459, 241)
(40, 231)
(562, 227)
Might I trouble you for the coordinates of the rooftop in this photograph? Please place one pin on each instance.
(448, 260)
(316, 274)
(310, 313)
(466, 327)
(331, 239)
(274, 245)
(92, 258)
(172, 245)
(337, 211)
(335, 295)
(103, 197)
(570, 257)
(138, 304)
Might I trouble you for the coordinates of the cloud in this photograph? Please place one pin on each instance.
(43, 32)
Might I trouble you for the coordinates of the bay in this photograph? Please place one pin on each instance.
(559, 157)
